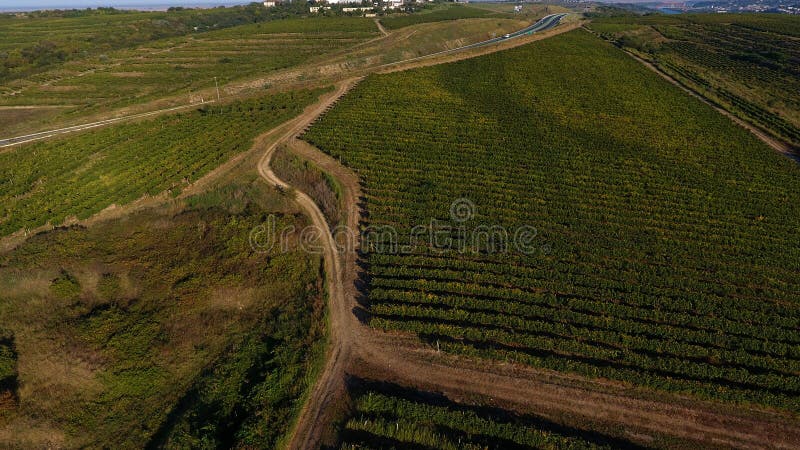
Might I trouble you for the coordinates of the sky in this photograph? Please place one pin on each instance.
(19, 5)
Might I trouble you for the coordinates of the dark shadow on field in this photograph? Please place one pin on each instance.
(360, 386)
(9, 383)
(361, 284)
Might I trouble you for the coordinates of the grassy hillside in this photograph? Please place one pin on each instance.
(163, 329)
(440, 13)
(77, 176)
(638, 234)
(746, 63)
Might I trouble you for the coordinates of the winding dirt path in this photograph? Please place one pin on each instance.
(330, 383)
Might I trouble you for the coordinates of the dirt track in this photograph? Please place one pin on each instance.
(331, 380)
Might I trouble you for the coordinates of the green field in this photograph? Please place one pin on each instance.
(387, 416)
(163, 328)
(655, 239)
(439, 14)
(746, 63)
(183, 65)
(34, 41)
(77, 176)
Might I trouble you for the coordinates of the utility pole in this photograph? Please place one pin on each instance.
(217, 86)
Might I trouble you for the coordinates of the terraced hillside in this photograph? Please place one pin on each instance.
(183, 65)
(746, 63)
(638, 234)
(440, 13)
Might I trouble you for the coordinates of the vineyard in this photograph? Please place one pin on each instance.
(745, 63)
(658, 242)
(387, 416)
(34, 41)
(49, 182)
(185, 64)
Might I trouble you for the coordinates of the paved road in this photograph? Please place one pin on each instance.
(50, 133)
(545, 23)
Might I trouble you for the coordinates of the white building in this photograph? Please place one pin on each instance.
(270, 3)
(357, 9)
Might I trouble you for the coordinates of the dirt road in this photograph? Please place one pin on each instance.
(18, 140)
(330, 383)
(381, 28)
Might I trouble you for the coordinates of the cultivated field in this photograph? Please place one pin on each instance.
(185, 64)
(75, 177)
(385, 415)
(559, 248)
(657, 236)
(746, 63)
(34, 41)
(437, 14)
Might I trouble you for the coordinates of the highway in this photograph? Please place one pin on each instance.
(545, 23)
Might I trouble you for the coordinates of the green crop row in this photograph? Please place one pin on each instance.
(446, 13)
(33, 42)
(387, 416)
(744, 62)
(183, 65)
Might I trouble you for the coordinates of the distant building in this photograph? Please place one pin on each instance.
(270, 3)
(357, 9)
